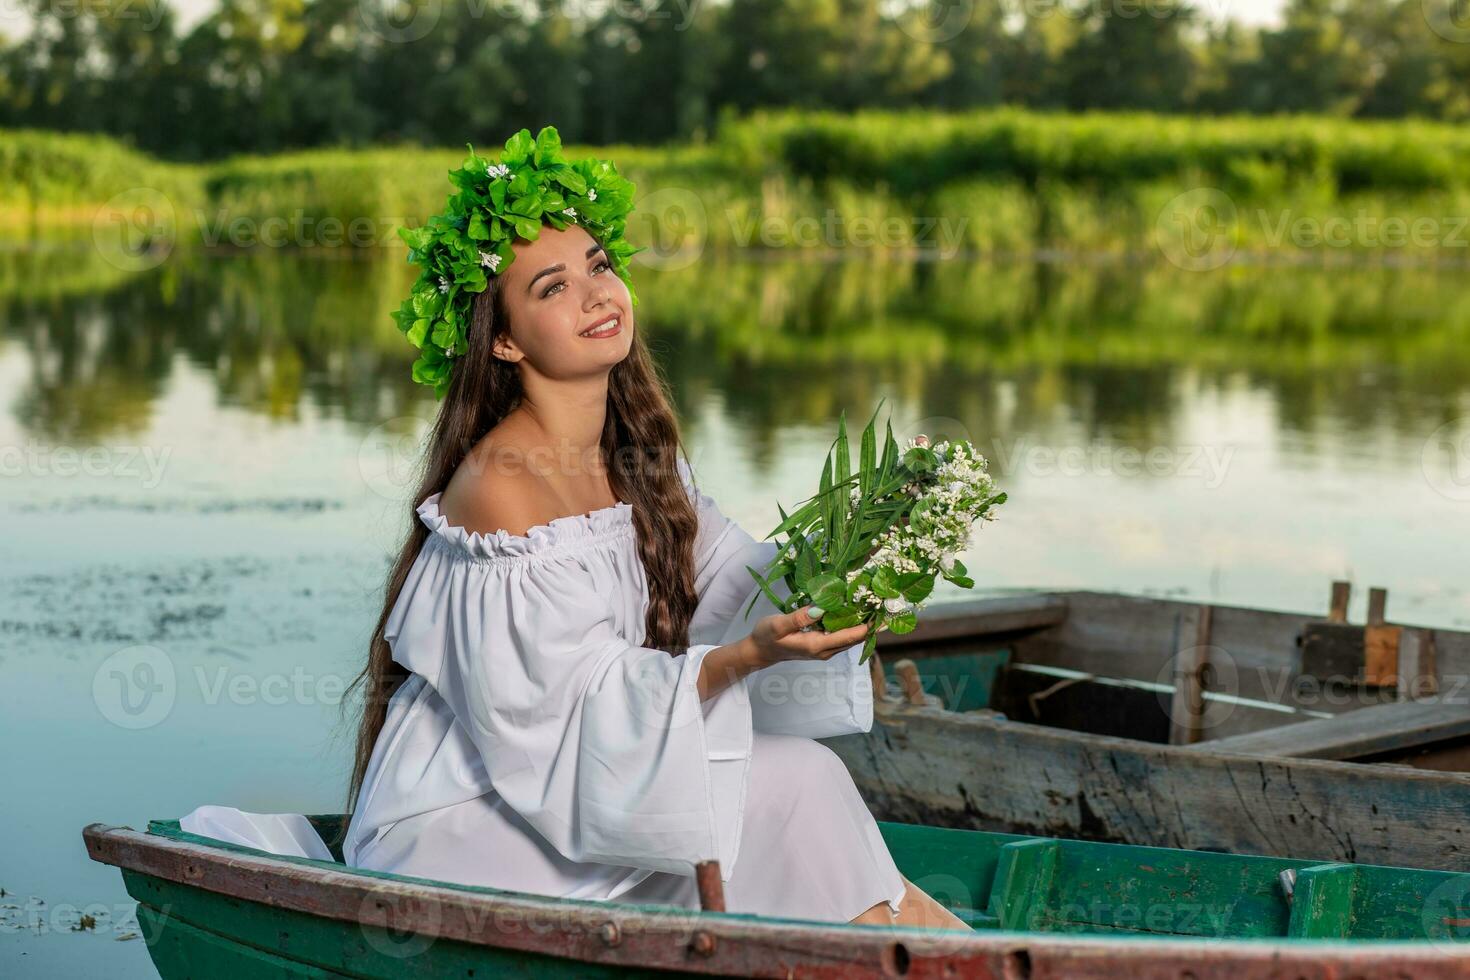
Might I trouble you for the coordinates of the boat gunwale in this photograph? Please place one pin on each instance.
(716, 943)
(1040, 609)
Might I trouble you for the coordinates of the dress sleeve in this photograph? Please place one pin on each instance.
(722, 550)
(815, 698)
(602, 745)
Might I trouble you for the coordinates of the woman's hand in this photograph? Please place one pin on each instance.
(775, 638)
(784, 637)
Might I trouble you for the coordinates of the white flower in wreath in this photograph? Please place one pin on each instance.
(498, 170)
(569, 212)
(490, 260)
(444, 285)
(896, 605)
(592, 193)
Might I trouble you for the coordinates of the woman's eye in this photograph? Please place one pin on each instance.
(552, 290)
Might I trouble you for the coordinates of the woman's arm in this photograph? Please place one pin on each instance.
(724, 666)
(773, 640)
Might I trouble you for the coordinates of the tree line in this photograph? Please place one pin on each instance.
(261, 76)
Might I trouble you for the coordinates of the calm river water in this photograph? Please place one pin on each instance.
(209, 460)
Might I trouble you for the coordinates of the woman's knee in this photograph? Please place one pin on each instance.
(791, 756)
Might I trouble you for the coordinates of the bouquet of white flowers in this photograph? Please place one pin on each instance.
(868, 546)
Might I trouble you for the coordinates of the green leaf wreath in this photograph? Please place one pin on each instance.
(493, 205)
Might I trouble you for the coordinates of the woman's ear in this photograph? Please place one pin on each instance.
(506, 350)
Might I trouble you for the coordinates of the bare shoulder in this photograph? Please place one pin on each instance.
(490, 492)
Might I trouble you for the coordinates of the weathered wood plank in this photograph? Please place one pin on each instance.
(1338, 604)
(1370, 731)
(1380, 643)
(1334, 653)
(913, 685)
(1418, 672)
(1322, 902)
(930, 766)
(1186, 711)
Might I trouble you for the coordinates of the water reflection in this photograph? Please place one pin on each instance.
(1066, 353)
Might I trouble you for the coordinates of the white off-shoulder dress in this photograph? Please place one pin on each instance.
(538, 747)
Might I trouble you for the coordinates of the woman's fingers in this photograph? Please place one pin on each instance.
(843, 639)
(800, 632)
(801, 619)
(825, 645)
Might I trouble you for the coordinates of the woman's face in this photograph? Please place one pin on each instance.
(559, 288)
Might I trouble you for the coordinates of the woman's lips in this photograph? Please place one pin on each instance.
(611, 328)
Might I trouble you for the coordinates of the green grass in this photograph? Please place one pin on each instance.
(64, 178)
(916, 152)
(995, 181)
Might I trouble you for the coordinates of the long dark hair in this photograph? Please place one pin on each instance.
(640, 446)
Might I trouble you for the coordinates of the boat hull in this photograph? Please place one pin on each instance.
(955, 769)
(1039, 907)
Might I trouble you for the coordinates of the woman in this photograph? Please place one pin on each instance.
(562, 693)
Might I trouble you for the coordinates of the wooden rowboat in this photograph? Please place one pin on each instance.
(1038, 907)
(1173, 724)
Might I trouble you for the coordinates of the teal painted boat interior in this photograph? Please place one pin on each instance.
(1020, 883)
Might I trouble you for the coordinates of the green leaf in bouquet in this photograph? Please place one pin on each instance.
(841, 618)
(801, 519)
(824, 492)
(918, 591)
(919, 514)
(885, 582)
(779, 570)
(890, 453)
(920, 459)
(828, 590)
(858, 537)
(788, 522)
(867, 453)
(765, 589)
(843, 461)
(898, 511)
(806, 563)
(958, 569)
(904, 622)
(963, 582)
(798, 521)
(839, 528)
(868, 646)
